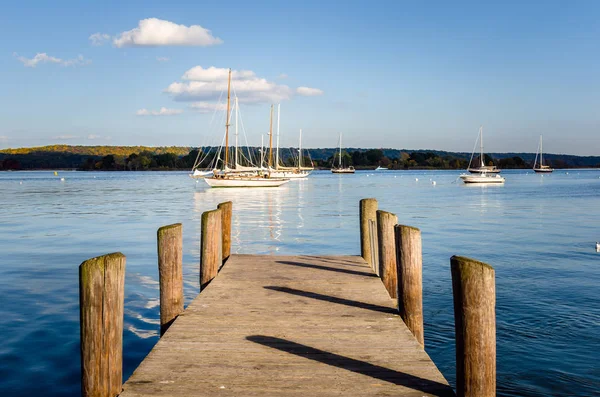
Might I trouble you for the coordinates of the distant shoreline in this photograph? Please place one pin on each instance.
(163, 158)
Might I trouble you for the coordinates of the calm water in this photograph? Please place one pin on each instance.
(538, 232)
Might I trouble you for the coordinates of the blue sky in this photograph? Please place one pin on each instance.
(386, 74)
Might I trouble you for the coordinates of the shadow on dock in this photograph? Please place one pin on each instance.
(331, 269)
(351, 364)
(333, 299)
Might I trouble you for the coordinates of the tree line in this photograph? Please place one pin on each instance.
(140, 158)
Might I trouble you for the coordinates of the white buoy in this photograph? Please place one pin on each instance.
(597, 246)
(20, 183)
(395, 176)
(62, 179)
(416, 179)
(433, 183)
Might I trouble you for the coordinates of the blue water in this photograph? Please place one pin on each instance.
(538, 232)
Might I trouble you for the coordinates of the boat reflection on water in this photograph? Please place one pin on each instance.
(256, 223)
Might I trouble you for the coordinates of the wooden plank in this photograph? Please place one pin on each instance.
(293, 326)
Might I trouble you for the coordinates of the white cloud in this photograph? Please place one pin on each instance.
(92, 137)
(307, 91)
(162, 112)
(208, 84)
(3, 138)
(282, 76)
(98, 39)
(64, 137)
(42, 57)
(207, 107)
(198, 73)
(162, 59)
(158, 32)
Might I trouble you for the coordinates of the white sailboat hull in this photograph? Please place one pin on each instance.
(543, 170)
(245, 182)
(482, 178)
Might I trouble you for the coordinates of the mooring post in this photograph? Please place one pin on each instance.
(226, 209)
(409, 262)
(474, 293)
(170, 273)
(211, 255)
(373, 243)
(101, 301)
(367, 211)
(387, 251)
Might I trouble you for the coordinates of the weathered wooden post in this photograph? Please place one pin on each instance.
(409, 262)
(170, 273)
(211, 254)
(367, 211)
(373, 242)
(387, 251)
(101, 301)
(474, 293)
(226, 209)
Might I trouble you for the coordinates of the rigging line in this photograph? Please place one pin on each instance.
(473, 152)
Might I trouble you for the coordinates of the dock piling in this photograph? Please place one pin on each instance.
(474, 291)
(374, 263)
(409, 261)
(367, 212)
(170, 254)
(211, 255)
(226, 210)
(387, 251)
(101, 301)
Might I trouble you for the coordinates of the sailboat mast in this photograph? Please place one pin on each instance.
(262, 151)
(300, 151)
(340, 150)
(481, 146)
(236, 131)
(541, 152)
(271, 139)
(227, 122)
(277, 150)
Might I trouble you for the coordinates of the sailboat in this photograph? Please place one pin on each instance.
(240, 176)
(341, 169)
(280, 171)
(483, 173)
(540, 167)
(490, 169)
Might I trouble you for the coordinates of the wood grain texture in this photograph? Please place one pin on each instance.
(474, 291)
(101, 299)
(409, 261)
(374, 262)
(226, 213)
(170, 273)
(289, 326)
(387, 251)
(367, 211)
(211, 247)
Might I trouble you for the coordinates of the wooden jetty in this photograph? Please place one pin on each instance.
(291, 325)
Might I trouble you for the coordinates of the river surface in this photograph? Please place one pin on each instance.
(539, 233)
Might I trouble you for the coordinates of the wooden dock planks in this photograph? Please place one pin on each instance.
(289, 326)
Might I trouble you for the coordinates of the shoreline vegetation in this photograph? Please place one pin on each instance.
(144, 158)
